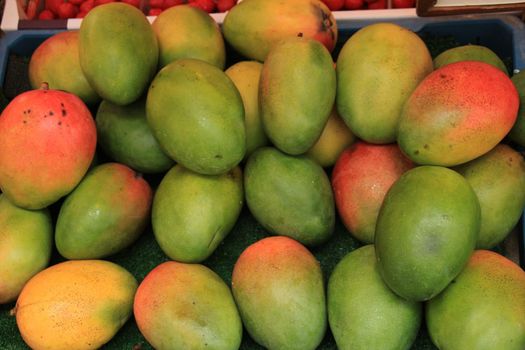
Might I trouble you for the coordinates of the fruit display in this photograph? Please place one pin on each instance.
(271, 182)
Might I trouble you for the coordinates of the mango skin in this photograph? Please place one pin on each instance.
(458, 113)
(125, 136)
(188, 32)
(278, 287)
(197, 115)
(426, 230)
(362, 176)
(193, 213)
(363, 312)
(517, 133)
(498, 178)
(377, 69)
(483, 309)
(470, 53)
(56, 62)
(76, 304)
(246, 75)
(48, 143)
(26, 242)
(253, 27)
(187, 306)
(289, 196)
(94, 224)
(109, 36)
(296, 93)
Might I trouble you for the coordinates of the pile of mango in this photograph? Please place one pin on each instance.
(417, 157)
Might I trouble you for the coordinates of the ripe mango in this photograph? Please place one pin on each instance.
(55, 62)
(296, 93)
(377, 69)
(188, 32)
(187, 306)
(118, 51)
(125, 136)
(76, 304)
(278, 287)
(289, 196)
(517, 133)
(197, 115)
(498, 178)
(48, 143)
(252, 27)
(192, 213)
(26, 241)
(484, 307)
(426, 231)
(459, 112)
(246, 75)
(363, 312)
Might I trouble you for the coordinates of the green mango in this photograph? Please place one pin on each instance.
(192, 213)
(26, 241)
(363, 312)
(377, 69)
(118, 51)
(197, 115)
(104, 214)
(470, 52)
(296, 93)
(290, 195)
(125, 136)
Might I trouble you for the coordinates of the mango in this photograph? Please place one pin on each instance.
(188, 32)
(296, 93)
(48, 143)
(470, 52)
(246, 75)
(361, 177)
(458, 113)
(289, 196)
(125, 136)
(118, 51)
(252, 27)
(94, 224)
(498, 178)
(26, 241)
(378, 67)
(483, 309)
(192, 213)
(278, 287)
(363, 313)
(76, 304)
(426, 231)
(197, 115)
(55, 62)
(517, 132)
(187, 306)
(334, 139)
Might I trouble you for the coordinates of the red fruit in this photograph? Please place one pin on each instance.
(134, 3)
(171, 3)
(52, 5)
(48, 142)
(46, 14)
(81, 14)
(67, 10)
(377, 5)
(403, 4)
(334, 5)
(354, 4)
(102, 2)
(159, 4)
(87, 5)
(154, 11)
(76, 2)
(206, 5)
(225, 5)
